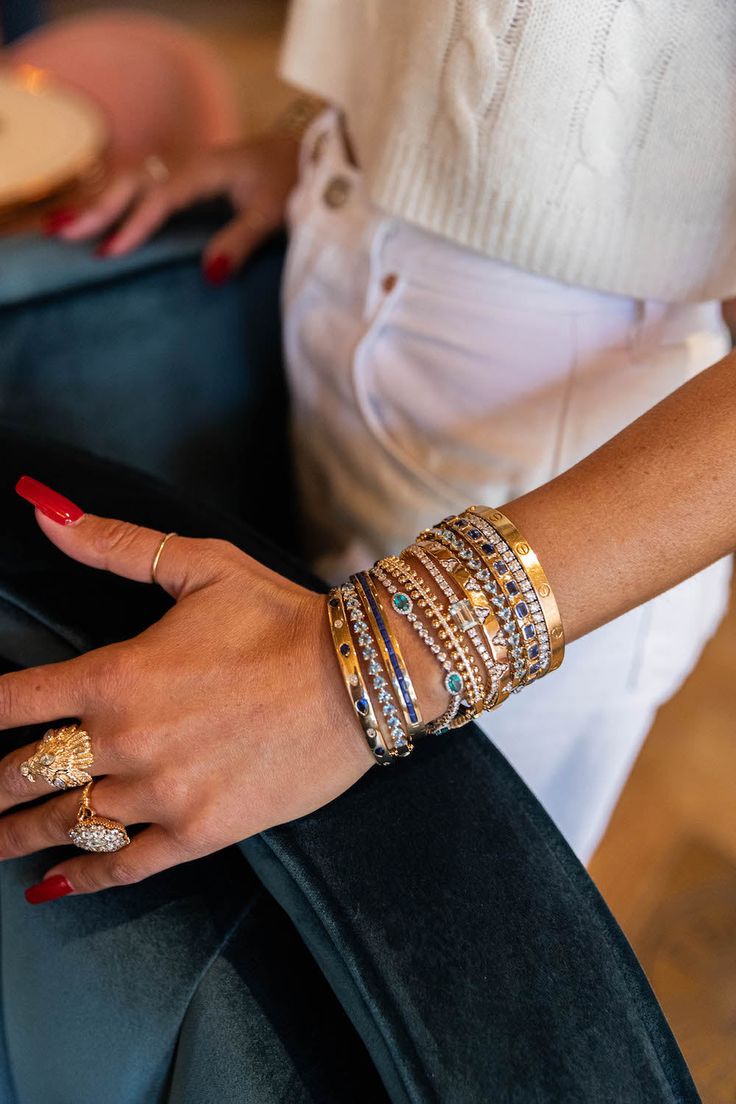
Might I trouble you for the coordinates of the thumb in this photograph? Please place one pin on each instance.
(116, 546)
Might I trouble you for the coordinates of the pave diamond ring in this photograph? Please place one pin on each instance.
(156, 168)
(95, 833)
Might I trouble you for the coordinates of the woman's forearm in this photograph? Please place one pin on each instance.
(651, 507)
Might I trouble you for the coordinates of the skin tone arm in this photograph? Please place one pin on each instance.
(604, 529)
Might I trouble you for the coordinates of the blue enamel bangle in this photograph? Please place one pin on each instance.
(394, 661)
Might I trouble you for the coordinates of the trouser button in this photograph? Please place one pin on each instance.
(336, 191)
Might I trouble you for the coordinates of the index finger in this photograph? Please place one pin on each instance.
(104, 210)
(41, 694)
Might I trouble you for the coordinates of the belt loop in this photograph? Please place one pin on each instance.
(316, 134)
(648, 313)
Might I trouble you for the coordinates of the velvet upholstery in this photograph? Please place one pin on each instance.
(466, 951)
(138, 359)
(18, 17)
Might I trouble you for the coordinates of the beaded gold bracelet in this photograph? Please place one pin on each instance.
(453, 680)
(430, 608)
(473, 613)
(392, 658)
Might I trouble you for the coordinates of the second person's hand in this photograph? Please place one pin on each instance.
(256, 176)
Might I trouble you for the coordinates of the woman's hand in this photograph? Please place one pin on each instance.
(256, 176)
(224, 718)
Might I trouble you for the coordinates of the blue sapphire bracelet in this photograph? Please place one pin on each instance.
(347, 653)
(393, 661)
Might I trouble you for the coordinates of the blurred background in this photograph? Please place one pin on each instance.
(667, 866)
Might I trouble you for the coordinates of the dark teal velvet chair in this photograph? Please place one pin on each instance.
(426, 938)
(138, 360)
(18, 17)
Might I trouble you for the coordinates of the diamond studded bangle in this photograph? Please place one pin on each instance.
(510, 594)
(393, 661)
(518, 590)
(473, 613)
(350, 669)
(508, 634)
(454, 683)
(429, 608)
(525, 556)
(398, 743)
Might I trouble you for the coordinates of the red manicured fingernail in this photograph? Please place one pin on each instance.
(218, 270)
(48, 890)
(57, 220)
(104, 248)
(50, 503)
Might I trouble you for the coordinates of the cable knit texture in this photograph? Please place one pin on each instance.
(594, 143)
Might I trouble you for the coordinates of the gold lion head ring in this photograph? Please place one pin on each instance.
(157, 555)
(62, 758)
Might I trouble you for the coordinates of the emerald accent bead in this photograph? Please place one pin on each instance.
(402, 603)
(454, 683)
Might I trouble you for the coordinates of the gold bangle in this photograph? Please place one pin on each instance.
(351, 673)
(518, 609)
(453, 681)
(367, 645)
(535, 574)
(393, 659)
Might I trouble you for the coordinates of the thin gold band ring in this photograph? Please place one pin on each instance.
(157, 555)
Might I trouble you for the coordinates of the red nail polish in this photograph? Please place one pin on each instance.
(218, 270)
(57, 220)
(50, 503)
(48, 890)
(104, 248)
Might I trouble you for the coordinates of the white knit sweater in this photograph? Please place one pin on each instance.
(592, 141)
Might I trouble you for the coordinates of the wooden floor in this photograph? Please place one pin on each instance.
(667, 866)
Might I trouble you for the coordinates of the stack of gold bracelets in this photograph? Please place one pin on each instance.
(476, 596)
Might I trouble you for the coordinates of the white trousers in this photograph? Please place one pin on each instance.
(425, 377)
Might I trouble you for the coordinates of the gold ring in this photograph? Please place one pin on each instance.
(156, 168)
(256, 219)
(61, 758)
(157, 555)
(95, 833)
